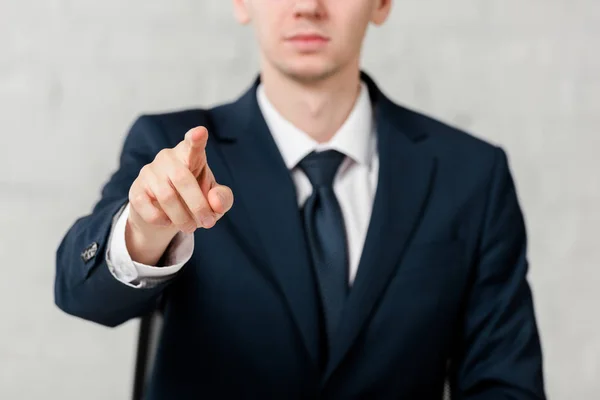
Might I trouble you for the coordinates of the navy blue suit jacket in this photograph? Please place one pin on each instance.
(441, 289)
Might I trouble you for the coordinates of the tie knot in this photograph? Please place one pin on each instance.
(321, 167)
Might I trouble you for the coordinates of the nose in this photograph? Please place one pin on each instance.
(309, 9)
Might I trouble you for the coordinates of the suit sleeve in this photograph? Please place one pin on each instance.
(500, 355)
(84, 286)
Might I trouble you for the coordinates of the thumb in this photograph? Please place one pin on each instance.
(220, 199)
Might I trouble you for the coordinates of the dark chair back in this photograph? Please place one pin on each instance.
(149, 332)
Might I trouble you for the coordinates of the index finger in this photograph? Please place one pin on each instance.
(196, 138)
(190, 150)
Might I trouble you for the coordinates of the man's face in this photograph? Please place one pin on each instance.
(310, 40)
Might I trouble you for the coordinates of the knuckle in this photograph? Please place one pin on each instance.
(159, 156)
(136, 199)
(166, 194)
(145, 170)
(154, 217)
(145, 175)
(162, 156)
(180, 176)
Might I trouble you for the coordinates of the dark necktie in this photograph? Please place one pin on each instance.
(326, 235)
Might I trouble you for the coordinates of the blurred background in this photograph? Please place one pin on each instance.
(523, 74)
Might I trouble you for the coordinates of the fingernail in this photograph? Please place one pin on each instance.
(208, 221)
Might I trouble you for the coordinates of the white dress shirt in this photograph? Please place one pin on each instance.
(355, 185)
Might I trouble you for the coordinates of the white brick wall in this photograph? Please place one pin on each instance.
(74, 75)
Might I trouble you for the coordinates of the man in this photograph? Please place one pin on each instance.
(372, 252)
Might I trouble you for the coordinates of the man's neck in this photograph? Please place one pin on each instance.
(320, 108)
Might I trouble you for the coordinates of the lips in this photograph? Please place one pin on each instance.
(308, 42)
(309, 37)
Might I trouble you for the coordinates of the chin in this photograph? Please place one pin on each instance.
(309, 72)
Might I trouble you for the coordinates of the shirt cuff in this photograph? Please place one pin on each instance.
(139, 275)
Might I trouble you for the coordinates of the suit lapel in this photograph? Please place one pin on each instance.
(267, 218)
(266, 212)
(406, 174)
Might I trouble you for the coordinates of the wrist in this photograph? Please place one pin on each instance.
(146, 245)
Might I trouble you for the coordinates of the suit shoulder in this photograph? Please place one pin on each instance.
(447, 134)
(458, 152)
(447, 141)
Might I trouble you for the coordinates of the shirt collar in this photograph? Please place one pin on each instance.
(354, 138)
